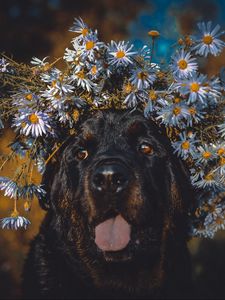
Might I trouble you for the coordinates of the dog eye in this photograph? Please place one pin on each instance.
(82, 154)
(146, 149)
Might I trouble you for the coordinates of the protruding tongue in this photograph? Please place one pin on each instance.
(113, 234)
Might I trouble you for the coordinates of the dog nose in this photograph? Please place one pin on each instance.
(110, 178)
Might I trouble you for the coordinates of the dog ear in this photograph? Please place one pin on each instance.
(47, 181)
(181, 194)
(54, 178)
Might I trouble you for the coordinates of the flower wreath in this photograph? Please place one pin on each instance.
(46, 105)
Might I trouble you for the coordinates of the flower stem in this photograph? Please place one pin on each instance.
(153, 46)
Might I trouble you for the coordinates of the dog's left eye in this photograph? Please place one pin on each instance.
(146, 149)
(82, 154)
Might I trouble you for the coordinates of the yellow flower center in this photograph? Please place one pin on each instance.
(57, 96)
(81, 74)
(142, 75)
(120, 54)
(208, 177)
(207, 39)
(192, 110)
(177, 100)
(219, 220)
(153, 95)
(128, 88)
(84, 31)
(61, 78)
(221, 151)
(33, 118)
(176, 110)
(90, 45)
(222, 161)
(53, 84)
(210, 208)
(75, 115)
(194, 87)
(29, 97)
(206, 154)
(182, 64)
(185, 145)
(153, 33)
(94, 70)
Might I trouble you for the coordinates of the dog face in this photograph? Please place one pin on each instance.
(118, 191)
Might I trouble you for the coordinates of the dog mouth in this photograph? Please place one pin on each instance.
(119, 241)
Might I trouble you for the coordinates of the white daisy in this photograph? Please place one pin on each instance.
(143, 78)
(209, 180)
(100, 101)
(62, 86)
(183, 64)
(214, 90)
(14, 222)
(195, 115)
(220, 169)
(80, 27)
(196, 174)
(81, 80)
(95, 70)
(3, 65)
(70, 55)
(131, 100)
(194, 87)
(203, 232)
(120, 54)
(218, 224)
(219, 149)
(215, 211)
(204, 154)
(221, 128)
(30, 190)
(10, 187)
(39, 62)
(208, 41)
(57, 100)
(173, 114)
(31, 122)
(25, 98)
(59, 83)
(51, 75)
(89, 47)
(64, 117)
(186, 146)
(73, 57)
(145, 53)
(152, 99)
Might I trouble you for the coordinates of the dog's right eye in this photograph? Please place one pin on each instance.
(146, 149)
(82, 154)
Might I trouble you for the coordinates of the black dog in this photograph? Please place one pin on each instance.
(116, 225)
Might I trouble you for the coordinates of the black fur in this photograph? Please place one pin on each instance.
(64, 261)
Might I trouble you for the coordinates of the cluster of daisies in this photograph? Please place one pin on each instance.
(45, 105)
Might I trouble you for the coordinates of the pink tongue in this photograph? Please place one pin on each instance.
(113, 234)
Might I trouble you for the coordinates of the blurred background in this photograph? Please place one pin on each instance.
(40, 28)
